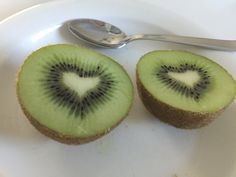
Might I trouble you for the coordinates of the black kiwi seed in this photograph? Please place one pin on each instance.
(62, 95)
(195, 91)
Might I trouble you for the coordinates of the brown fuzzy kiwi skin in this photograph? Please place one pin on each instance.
(171, 115)
(65, 139)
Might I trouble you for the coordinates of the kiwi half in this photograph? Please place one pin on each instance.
(184, 89)
(72, 94)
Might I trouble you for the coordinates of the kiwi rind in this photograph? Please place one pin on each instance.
(174, 116)
(65, 139)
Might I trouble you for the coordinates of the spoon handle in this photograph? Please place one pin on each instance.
(225, 45)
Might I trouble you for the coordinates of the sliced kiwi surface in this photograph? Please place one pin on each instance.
(72, 94)
(182, 88)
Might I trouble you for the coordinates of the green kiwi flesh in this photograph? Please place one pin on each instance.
(72, 94)
(184, 89)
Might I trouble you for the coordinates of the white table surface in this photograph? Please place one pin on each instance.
(212, 14)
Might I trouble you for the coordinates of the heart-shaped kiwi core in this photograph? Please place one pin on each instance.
(188, 80)
(81, 88)
(188, 77)
(81, 85)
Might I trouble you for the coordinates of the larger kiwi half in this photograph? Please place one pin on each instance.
(72, 94)
(184, 89)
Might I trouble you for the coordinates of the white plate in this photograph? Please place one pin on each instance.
(141, 145)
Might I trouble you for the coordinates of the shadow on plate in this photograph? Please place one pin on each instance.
(214, 154)
(208, 151)
(213, 149)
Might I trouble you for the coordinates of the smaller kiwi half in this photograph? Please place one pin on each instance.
(184, 89)
(72, 94)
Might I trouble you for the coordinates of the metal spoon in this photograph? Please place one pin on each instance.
(103, 34)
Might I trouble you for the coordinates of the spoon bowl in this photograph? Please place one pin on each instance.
(97, 33)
